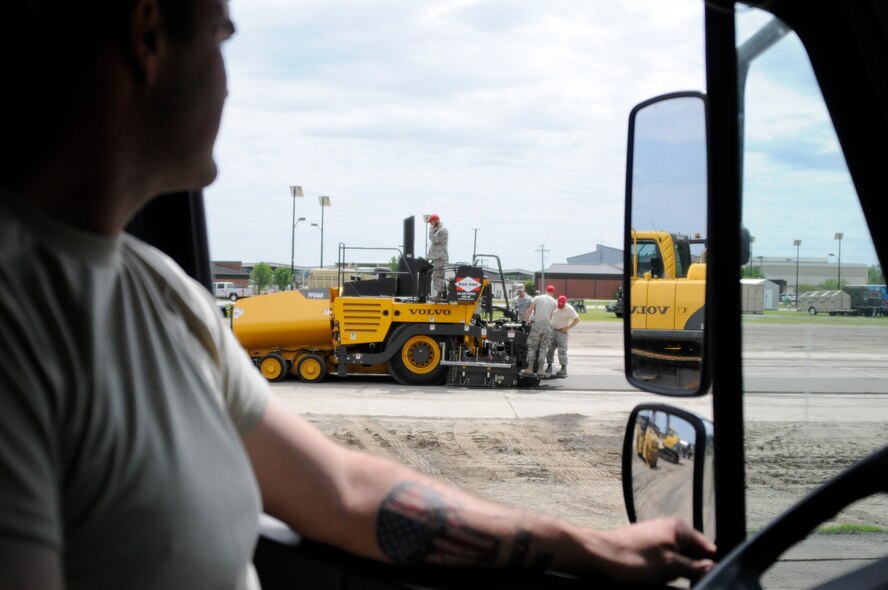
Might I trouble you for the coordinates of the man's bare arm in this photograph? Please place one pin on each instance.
(529, 311)
(380, 509)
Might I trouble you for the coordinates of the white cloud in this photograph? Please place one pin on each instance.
(509, 117)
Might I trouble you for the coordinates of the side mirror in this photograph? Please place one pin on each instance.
(664, 264)
(668, 467)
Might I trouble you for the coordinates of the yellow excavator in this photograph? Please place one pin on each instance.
(668, 290)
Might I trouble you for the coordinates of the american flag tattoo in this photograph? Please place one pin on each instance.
(415, 526)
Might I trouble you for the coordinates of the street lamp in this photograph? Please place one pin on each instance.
(325, 202)
(827, 261)
(797, 244)
(839, 236)
(318, 226)
(751, 242)
(474, 244)
(295, 191)
(542, 250)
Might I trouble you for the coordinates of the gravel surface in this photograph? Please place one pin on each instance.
(569, 464)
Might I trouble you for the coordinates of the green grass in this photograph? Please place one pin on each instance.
(594, 311)
(849, 529)
(841, 529)
(792, 317)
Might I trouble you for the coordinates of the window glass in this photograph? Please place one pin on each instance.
(647, 251)
(508, 119)
(815, 379)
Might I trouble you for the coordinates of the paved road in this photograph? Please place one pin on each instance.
(839, 373)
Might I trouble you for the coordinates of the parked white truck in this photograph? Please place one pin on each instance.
(230, 291)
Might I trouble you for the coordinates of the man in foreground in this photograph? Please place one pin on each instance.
(138, 443)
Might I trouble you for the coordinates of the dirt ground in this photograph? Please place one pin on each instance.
(569, 465)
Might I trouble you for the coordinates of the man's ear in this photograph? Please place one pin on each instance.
(147, 38)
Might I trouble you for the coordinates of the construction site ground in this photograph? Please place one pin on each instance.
(557, 448)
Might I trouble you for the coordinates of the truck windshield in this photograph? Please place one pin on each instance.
(815, 383)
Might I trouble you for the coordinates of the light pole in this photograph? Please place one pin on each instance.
(827, 261)
(295, 191)
(474, 244)
(797, 244)
(839, 236)
(322, 237)
(542, 250)
(751, 242)
(325, 202)
(292, 266)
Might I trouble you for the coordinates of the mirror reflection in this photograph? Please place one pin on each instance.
(666, 242)
(663, 465)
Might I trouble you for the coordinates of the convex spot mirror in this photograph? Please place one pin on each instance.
(668, 467)
(664, 270)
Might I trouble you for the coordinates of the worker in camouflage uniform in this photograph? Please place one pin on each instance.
(540, 310)
(564, 318)
(520, 302)
(438, 255)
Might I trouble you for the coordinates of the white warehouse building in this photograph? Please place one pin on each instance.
(811, 271)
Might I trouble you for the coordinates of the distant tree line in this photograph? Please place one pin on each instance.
(262, 276)
(874, 276)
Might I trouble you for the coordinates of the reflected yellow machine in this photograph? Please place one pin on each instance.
(671, 446)
(651, 443)
(647, 441)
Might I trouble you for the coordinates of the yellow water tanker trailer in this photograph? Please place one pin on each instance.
(286, 332)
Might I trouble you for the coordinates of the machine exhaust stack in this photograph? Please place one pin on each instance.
(409, 230)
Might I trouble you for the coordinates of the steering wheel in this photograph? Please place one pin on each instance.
(742, 569)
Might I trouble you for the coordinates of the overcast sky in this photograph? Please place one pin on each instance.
(509, 116)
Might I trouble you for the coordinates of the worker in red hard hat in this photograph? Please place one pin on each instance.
(437, 255)
(564, 318)
(540, 310)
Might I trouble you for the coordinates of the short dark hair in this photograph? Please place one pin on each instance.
(47, 47)
(59, 28)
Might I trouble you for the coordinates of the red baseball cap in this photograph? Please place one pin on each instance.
(562, 300)
(434, 217)
(550, 288)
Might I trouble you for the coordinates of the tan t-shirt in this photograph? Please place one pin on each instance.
(543, 305)
(563, 317)
(122, 397)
